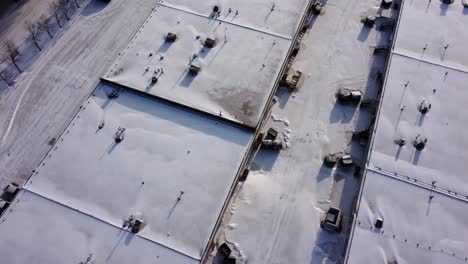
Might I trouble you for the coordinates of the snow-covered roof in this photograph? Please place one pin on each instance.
(283, 20)
(422, 195)
(437, 25)
(419, 226)
(167, 153)
(237, 75)
(38, 230)
(443, 159)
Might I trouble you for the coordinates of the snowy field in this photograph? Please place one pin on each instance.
(162, 171)
(421, 195)
(236, 77)
(49, 92)
(47, 232)
(276, 213)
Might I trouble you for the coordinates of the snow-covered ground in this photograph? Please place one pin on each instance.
(237, 75)
(38, 230)
(174, 168)
(421, 195)
(276, 213)
(15, 14)
(47, 95)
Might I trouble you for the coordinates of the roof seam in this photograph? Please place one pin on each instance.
(430, 62)
(225, 21)
(418, 183)
(418, 245)
(25, 189)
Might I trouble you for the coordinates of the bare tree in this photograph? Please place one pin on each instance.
(33, 30)
(55, 10)
(76, 3)
(6, 76)
(12, 53)
(45, 25)
(64, 7)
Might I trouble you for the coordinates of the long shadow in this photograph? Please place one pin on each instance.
(342, 113)
(264, 160)
(283, 97)
(177, 115)
(421, 119)
(187, 80)
(364, 34)
(397, 156)
(203, 52)
(443, 9)
(95, 6)
(164, 47)
(417, 156)
(465, 11)
(325, 248)
(120, 235)
(324, 173)
(217, 52)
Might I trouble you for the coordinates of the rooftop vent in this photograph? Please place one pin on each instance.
(135, 224)
(12, 189)
(346, 160)
(216, 8)
(171, 37)
(420, 142)
(154, 79)
(424, 107)
(225, 250)
(400, 142)
(330, 160)
(331, 220)
(378, 223)
(272, 144)
(209, 43)
(369, 21)
(272, 133)
(386, 3)
(194, 69)
(447, 2)
(113, 94)
(119, 135)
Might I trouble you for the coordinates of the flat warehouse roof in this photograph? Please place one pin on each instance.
(415, 179)
(38, 230)
(275, 17)
(426, 28)
(416, 227)
(173, 169)
(443, 159)
(236, 76)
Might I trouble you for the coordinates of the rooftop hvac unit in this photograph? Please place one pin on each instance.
(209, 43)
(194, 69)
(171, 37)
(378, 223)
